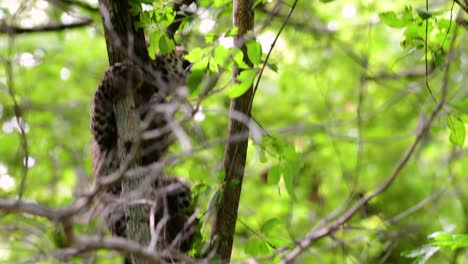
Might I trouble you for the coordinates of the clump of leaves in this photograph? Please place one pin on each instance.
(438, 31)
(439, 240)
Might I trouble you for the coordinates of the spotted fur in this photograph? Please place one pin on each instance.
(152, 86)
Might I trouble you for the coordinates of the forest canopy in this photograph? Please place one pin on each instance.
(354, 127)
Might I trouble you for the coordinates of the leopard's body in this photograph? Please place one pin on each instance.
(151, 86)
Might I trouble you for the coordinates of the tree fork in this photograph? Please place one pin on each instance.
(235, 150)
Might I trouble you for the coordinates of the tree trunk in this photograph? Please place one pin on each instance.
(236, 150)
(124, 43)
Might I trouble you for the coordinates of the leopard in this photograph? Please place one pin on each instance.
(153, 86)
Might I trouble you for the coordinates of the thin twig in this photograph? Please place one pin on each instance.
(17, 109)
(464, 7)
(286, 20)
(426, 81)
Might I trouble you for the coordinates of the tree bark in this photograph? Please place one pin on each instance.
(236, 150)
(124, 43)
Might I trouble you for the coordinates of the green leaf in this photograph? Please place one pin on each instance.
(265, 145)
(289, 172)
(154, 43)
(457, 130)
(274, 174)
(231, 32)
(273, 66)
(415, 35)
(423, 14)
(441, 236)
(443, 24)
(460, 241)
(422, 254)
(256, 247)
(290, 153)
(264, 248)
(210, 38)
(194, 79)
(252, 246)
(135, 7)
(262, 154)
(447, 240)
(152, 51)
(254, 52)
(221, 55)
(145, 18)
(390, 18)
(200, 65)
(166, 44)
(213, 65)
(194, 55)
(245, 78)
(274, 232)
(168, 17)
(239, 59)
(269, 225)
(279, 147)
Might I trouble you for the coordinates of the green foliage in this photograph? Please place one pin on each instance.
(159, 18)
(451, 241)
(245, 79)
(395, 20)
(256, 247)
(254, 51)
(272, 235)
(287, 164)
(424, 15)
(155, 21)
(439, 241)
(160, 42)
(211, 60)
(457, 131)
(415, 35)
(340, 101)
(422, 254)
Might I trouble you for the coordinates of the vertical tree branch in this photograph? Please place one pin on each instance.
(124, 43)
(236, 150)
